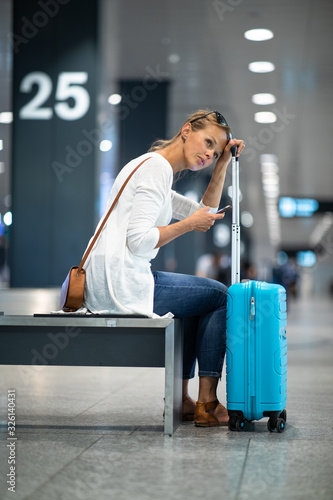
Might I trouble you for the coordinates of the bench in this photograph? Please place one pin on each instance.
(73, 340)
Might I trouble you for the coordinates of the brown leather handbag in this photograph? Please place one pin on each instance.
(72, 290)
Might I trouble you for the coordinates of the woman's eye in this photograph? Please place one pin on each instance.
(210, 144)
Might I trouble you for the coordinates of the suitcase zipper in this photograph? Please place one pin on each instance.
(254, 353)
(253, 308)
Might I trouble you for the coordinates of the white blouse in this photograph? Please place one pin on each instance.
(118, 274)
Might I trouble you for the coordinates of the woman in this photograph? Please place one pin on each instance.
(118, 275)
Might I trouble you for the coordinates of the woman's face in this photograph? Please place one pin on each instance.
(204, 146)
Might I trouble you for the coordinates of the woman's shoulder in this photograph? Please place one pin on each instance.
(154, 158)
(154, 165)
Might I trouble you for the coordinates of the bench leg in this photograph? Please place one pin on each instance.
(173, 376)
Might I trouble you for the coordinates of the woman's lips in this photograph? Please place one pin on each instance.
(201, 161)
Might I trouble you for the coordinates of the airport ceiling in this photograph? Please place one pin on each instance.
(200, 47)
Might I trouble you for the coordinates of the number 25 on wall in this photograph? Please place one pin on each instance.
(69, 86)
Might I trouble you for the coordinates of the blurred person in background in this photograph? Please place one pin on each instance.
(215, 266)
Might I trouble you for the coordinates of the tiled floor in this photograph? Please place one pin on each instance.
(97, 433)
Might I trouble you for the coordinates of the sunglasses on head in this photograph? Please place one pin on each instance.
(219, 118)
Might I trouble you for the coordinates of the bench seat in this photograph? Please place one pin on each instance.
(73, 340)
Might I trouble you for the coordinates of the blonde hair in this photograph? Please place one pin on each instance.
(200, 123)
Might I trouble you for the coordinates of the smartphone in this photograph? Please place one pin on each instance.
(224, 209)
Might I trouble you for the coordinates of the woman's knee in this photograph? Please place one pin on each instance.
(220, 292)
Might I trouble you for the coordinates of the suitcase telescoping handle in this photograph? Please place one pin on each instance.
(235, 241)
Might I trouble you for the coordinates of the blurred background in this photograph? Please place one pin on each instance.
(86, 86)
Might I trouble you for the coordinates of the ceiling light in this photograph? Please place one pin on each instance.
(6, 117)
(7, 218)
(269, 168)
(105, 145)
(262, 99)
(270, 204)
(258, 35)
(272, 194)
(265, 117)
(261, 66)
(271, 189)
(114, 99)
(268, 157)
(270, 178)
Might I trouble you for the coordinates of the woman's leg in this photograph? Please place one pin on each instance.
(209, 411)
(202, 302)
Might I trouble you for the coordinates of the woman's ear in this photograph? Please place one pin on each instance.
(186, 129)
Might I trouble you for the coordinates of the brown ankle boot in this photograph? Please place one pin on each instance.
(204, 419)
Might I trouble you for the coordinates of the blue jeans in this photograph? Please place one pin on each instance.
(202, 303)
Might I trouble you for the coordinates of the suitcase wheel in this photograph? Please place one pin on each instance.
(279, 424)
(236, 423)
(240, 424)
(232, 423)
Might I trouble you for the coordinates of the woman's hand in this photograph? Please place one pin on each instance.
(226, 155)
(202, 220)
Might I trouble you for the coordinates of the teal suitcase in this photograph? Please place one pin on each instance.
(256, 355)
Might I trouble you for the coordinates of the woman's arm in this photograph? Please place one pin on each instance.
(153, 183)
(213, 192)
(201, 220)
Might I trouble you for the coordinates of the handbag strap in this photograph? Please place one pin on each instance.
(87, 252)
